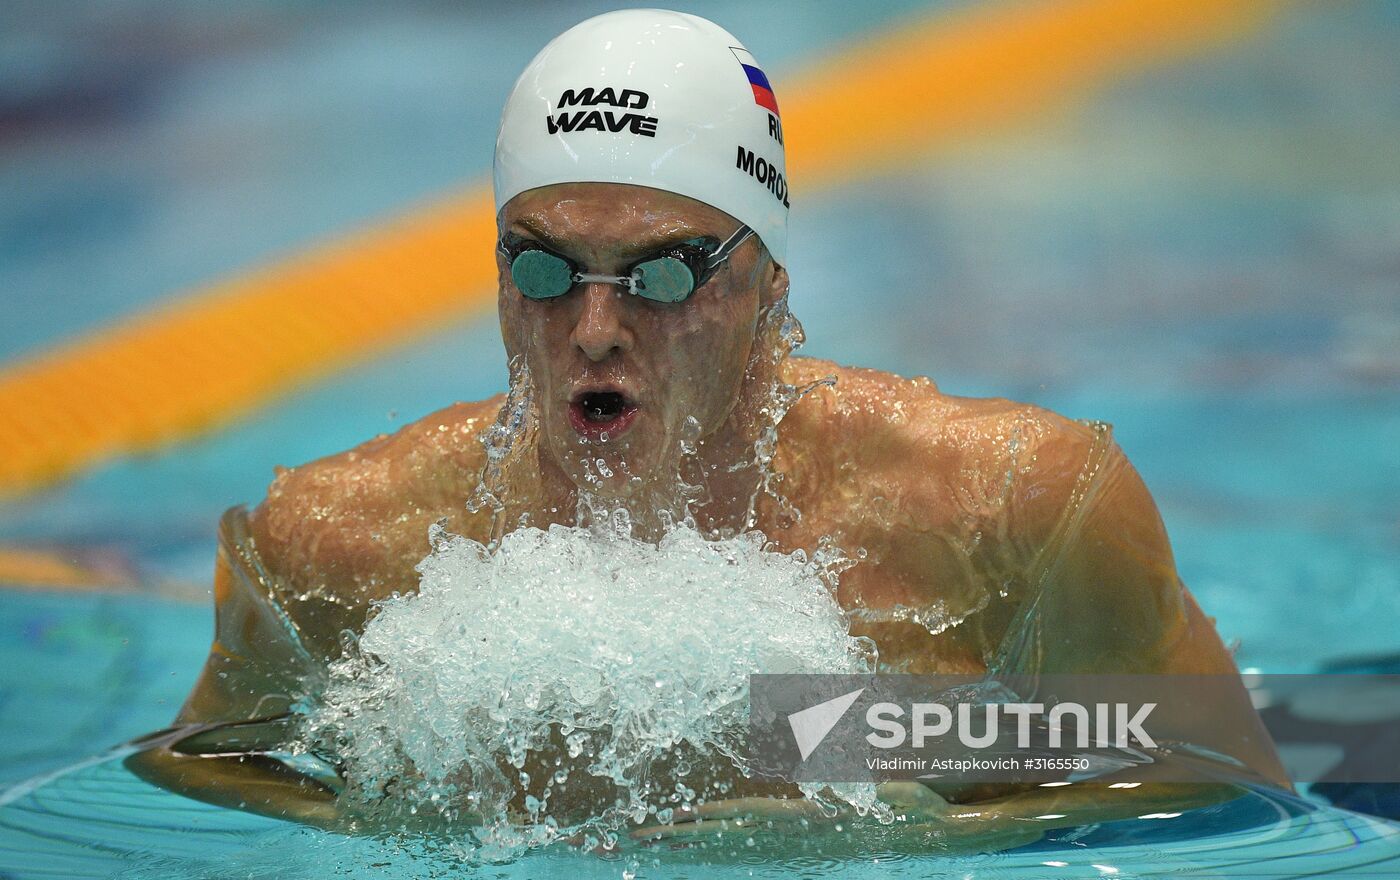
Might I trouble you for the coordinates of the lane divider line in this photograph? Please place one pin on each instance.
(206, 359)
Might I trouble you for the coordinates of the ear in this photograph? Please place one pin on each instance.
(777, 286)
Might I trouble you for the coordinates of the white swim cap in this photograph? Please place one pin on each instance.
(654, 98)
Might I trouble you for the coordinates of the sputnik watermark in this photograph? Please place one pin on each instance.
(926, 767)
(1056, 729)
(1048, 729)
(891, 733)
(1117, 724)
(811, 725)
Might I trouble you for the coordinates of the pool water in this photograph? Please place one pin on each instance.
(98, 820)
(128, 662)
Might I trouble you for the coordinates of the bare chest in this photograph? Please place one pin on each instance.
(918, 593)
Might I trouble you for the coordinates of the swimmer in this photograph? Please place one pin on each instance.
(642, 200)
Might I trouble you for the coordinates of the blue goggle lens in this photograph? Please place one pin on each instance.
(665, 279)
(669, 277)
(541, 275)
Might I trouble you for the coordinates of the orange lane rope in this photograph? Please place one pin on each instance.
(209, 357)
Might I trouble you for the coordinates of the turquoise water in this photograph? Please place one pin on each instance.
(81, 672)
(99, 821)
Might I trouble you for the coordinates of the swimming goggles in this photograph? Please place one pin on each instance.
(670, 275)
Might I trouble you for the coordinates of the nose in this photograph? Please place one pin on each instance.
(600, 329)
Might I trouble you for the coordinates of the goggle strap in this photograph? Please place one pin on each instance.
(722, 253)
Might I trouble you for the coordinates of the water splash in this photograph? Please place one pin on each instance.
(572, 680)
(789, 336)
(564, 682)
(779, 335)
(507, 436)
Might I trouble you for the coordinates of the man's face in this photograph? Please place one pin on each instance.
(621, 380)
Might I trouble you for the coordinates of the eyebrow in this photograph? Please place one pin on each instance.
(637, 249)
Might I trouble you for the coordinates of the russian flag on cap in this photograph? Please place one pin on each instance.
(762, 91)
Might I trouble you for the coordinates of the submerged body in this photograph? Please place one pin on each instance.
(987, 535)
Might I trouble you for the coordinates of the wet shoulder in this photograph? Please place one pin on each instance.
(952, 499)
(967, 455)
(350, 527)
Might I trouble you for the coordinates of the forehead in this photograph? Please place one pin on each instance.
(612, 211)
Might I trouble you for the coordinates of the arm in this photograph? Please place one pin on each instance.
(925, 820)
(331, 537)
(1106, 598)
(256, 670)
(198, 763)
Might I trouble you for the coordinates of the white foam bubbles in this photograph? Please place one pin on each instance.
(574, 679)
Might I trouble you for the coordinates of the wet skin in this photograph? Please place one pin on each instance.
(960, 505)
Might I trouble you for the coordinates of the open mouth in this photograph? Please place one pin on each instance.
(601, 415)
